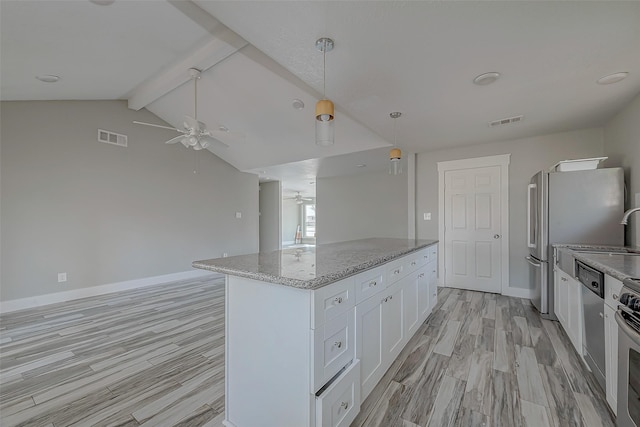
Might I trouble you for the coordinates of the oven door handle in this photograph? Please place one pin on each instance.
(531, 261)
(627, 330)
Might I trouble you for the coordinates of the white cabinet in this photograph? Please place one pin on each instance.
(369, 350)
(393, 321)
(568, 307)
(386, 321)
(611, 357)
(340, 403)
(612, 289)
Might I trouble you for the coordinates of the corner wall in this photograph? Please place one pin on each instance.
(528, 156)
(106, 214)
(622, 145)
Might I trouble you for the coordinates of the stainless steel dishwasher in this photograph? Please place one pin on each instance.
(593, 303)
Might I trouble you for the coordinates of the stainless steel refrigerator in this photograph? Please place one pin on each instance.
(569, 207)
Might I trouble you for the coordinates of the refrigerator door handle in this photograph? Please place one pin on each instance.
(531, 231)
(533, 262)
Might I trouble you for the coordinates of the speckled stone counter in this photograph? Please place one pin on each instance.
(616, 264)
(314, 267)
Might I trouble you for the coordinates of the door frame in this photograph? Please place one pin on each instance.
(502, 161)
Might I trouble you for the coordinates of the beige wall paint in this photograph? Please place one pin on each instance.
(528, 156)
(106, 214)
(361, 206)
(622, 145)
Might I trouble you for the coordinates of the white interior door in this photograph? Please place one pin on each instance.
(472, 229)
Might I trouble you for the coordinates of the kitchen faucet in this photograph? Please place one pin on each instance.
(627, 214)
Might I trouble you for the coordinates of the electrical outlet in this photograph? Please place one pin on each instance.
(62, 277)
(224, 254)
(427, 216)
(238, 215)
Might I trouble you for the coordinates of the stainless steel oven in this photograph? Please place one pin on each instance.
(628, 319)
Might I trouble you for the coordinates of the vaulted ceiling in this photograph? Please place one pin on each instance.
(419, 58)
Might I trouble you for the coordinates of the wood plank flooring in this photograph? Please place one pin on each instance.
(152, 356)
(155, 357)
(486, 360)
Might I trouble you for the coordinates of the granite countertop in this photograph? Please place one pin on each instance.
(622, 262)
(314, 267)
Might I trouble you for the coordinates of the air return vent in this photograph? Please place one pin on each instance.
(506, 121)
(112, 138)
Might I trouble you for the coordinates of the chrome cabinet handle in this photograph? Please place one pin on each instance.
(601, 315)
(496, 236)
(337, 300)
(372, 283)
(390, 296)
(564, 279)
(338, 344)
(386, 299)
(396, 271)
(344, 405)
(615, 296)
(413, 263)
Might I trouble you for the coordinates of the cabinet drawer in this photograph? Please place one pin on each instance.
(612, 289)
(333, 348)
(400, 267)
(369, 283)
(332, 301)
(339, 404)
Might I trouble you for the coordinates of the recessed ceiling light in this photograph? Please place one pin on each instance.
(48, 78)
(612, 78)
(486, 78)
(361, 165)
(297, 104)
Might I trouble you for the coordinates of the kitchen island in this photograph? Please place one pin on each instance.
(310, 331)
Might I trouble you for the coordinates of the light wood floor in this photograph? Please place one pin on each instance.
(154, 357)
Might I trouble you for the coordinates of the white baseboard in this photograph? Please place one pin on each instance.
(40, 300)
(518, 292)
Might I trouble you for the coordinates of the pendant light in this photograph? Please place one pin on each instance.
(324, 107)
(395, 155)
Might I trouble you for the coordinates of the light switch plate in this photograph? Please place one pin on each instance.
(427, 216)
(238, 215)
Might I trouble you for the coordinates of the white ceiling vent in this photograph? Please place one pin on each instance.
(506, 121)
(112, 138)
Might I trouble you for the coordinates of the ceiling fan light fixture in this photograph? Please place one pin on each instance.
(395, 154)
(486, 78)
(325, 134)
(612, 78)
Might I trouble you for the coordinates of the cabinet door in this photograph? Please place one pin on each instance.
(410, 300)
(392, 325)
(433, 284)
(574, 315)
(562, 298)
(424, 303)
(611, 357)
(369, 343)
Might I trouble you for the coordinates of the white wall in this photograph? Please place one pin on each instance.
(361, 206)
(528, 156)
(270, 203)
(622, 145)
(106, 214)
(290, 220)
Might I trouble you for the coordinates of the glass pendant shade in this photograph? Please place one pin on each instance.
(395, 165)
(324, 123)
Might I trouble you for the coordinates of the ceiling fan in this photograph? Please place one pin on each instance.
(195, 133)
(298, 198)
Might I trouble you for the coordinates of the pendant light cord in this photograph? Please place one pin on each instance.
(324, 70)
(394, 133)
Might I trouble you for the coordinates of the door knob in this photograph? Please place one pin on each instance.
(496, 236)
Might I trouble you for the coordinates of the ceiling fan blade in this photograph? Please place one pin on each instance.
(190, 123)
(156, 126)
(174, 140)
(213, 141)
